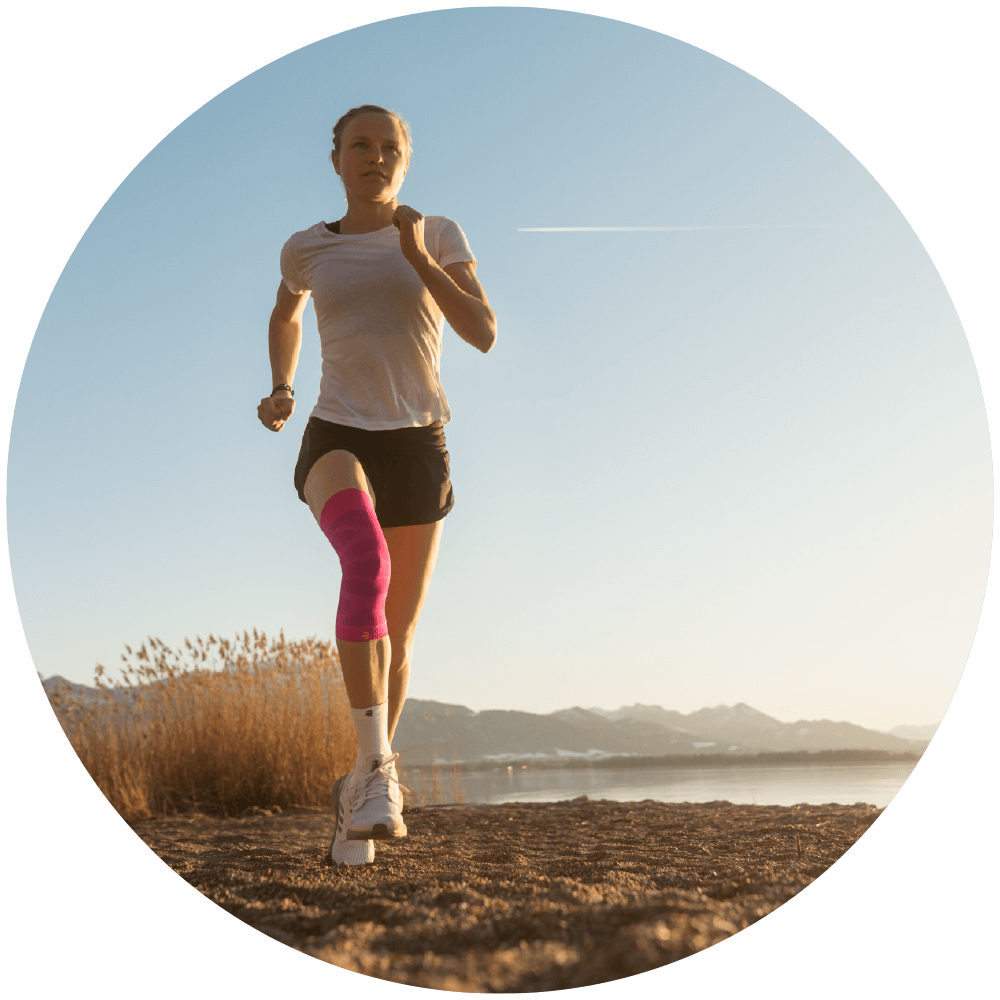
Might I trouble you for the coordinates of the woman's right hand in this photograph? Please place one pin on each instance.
(275, 410)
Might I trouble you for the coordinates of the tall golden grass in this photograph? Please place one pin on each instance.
(217, 726)
(221, 727)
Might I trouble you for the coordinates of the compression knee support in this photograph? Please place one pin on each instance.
(348, 520)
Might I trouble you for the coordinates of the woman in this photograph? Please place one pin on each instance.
(373, 467)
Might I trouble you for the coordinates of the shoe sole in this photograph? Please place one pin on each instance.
(379, 831)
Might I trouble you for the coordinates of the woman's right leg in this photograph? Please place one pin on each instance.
(365, 665)
(368, 802)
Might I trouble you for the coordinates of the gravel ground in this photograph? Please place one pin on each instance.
(517, 897)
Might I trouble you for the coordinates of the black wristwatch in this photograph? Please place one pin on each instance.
(283, 386)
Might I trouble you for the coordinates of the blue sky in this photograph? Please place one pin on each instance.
(726, 464)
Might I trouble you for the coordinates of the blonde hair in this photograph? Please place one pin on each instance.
(365, 109)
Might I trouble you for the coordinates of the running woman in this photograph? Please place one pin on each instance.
(373, 466)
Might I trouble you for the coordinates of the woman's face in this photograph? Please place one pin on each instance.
(373, 157)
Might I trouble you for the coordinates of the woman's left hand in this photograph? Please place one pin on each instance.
(410, 224)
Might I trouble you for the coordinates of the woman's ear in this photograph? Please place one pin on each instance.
(335, 160)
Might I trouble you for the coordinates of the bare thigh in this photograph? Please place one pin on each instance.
(331, 473)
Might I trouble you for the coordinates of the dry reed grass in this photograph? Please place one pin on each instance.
(218, 726)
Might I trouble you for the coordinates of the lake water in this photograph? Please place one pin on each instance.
(785, 785)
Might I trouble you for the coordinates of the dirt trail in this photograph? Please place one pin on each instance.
(512, 898)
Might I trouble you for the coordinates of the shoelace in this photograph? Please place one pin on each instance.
(376, 783)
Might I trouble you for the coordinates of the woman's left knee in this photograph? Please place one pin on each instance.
(399, 658)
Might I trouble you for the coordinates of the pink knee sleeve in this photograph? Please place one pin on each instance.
(348, 520)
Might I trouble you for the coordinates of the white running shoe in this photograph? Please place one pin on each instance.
(342, 850)
(375, 802)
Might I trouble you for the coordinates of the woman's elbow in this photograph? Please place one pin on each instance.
(489, 334)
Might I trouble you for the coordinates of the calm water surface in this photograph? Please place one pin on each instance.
(787, 785)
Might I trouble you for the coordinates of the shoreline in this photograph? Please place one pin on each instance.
(765, 758)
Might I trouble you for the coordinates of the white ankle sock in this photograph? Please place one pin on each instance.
(372, 727)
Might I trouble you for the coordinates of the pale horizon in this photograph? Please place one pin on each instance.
(637, 704)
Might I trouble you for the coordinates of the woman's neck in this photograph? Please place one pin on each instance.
(366, 217)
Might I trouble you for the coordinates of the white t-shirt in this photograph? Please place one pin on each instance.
(379, 327)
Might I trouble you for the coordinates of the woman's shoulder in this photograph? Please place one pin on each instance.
(445, 229)
(309, 235)
(447, 241)
(441, 221)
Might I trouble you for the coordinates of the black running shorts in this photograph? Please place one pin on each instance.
(407, 467)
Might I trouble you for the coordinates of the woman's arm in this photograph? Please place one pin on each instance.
(455, 287)
(284, 339)
(461, 298)
(284, 334)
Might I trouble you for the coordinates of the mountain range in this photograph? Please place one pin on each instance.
(435, 732)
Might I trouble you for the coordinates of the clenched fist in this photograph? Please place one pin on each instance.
(274, 411)
(410, 224)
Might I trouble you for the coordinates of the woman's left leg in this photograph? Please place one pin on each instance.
(413, 551)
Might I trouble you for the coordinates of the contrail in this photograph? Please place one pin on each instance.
(675, 229)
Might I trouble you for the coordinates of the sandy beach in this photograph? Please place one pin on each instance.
(516, 897)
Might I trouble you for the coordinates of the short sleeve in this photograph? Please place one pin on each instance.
(452, 244)
(290, 274)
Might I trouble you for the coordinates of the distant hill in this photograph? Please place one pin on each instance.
(742, 724)
(58, 688)
(433, 731)
(430, 731)
(920, 734)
